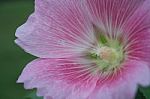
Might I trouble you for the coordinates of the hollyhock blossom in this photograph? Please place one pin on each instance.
(87, 49)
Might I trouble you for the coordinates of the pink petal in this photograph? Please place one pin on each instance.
(137, 32)
(58, 78)
(122, 91)
(65, 79)
(126, 20)
(111, 15)
(56, 29)
(134, 73)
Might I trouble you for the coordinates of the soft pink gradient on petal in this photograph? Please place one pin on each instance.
(49, 76)
(126, 19)
(110, 15)
(125, 85)
(56, 29)
(137, 32)
(122, 91)
(137, 72)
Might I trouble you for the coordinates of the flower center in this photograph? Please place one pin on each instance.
(108, 57)
(108, 54)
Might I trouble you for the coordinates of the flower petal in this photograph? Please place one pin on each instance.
(65, 79)
(56, 29)
(134, 73)
(122, 91)
(137, 33)
(111, 15)
(137, 72)
(58, 78)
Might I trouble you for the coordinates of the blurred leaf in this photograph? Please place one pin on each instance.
(139, 95)
(145, 91)
(32, 95)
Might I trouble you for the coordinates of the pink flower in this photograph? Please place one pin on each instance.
(87, 49)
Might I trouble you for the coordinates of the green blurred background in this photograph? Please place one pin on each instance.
(13, 13)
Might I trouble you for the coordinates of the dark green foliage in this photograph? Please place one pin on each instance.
(32, 95)
(12, 58)
(145, 91)
(139, 95)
